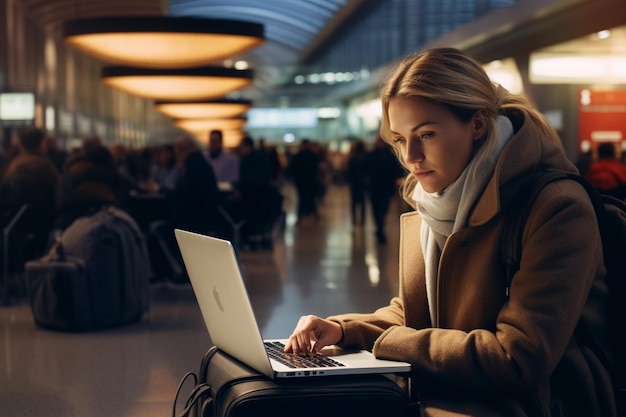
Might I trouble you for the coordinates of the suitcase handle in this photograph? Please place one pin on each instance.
(200, 397)
(198, 391)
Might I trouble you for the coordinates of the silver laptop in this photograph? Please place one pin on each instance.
(219, 288)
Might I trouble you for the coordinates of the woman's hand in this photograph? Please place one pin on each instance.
(312, 334)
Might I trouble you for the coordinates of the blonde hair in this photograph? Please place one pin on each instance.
(453, 79)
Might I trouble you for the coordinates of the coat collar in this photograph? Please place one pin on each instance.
(527, 151)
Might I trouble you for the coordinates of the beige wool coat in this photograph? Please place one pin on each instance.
(519, 350)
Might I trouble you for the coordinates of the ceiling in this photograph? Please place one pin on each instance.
(565, 26)
(294, 30)
(592, 44)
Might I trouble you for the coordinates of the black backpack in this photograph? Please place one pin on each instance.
(611, 216)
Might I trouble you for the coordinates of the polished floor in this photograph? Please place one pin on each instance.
(315, 267)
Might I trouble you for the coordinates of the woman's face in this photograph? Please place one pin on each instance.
(434, 144)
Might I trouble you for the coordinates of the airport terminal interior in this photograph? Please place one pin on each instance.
(315, 75)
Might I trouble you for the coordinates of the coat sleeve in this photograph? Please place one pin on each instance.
(362, 330)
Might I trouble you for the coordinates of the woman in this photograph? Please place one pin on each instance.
(468, 146)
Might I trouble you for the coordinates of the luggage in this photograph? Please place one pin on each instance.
(95, 276)
(225, 387)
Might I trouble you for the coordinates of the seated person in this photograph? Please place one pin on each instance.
(89, 182)
(608, 174)
(32, 179)
(477, 347)
(194, 202)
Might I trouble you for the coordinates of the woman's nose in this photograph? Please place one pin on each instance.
(414, 151)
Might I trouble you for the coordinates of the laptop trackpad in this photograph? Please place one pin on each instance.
(337, 351)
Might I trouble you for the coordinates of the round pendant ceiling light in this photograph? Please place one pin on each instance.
(206, 125)
(177, 84)
(161, 41)
(218, 109)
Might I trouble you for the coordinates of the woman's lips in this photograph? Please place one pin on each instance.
(421, 173)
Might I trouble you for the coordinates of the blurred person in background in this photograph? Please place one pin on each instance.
(304, 171)
(224, 162)
(384, 171)
(260, 201)
(608, 174)
(195, 197)
(53, 152)
(273, 158)
(89, 182)
(194, 202)
(357, 178)
(165, 171)
(31, 179)
(32, 162)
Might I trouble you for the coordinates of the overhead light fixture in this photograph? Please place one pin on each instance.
(162, 41)
(217, 109)
(177, 84)
(198, 125)
(505, 73)
(546, 68)
(230, 138)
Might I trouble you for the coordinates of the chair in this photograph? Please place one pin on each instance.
(26, 217)
(7, 287)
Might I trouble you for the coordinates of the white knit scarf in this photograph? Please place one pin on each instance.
(444, 213)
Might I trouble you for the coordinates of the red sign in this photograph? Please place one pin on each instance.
(601, 118)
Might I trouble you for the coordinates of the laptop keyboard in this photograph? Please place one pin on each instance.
(276, 351)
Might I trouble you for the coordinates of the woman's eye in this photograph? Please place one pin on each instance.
(399, 140)
(426, 136)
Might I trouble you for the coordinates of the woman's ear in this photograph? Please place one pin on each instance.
(479, 126)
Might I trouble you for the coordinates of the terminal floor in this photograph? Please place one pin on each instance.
(318, 267)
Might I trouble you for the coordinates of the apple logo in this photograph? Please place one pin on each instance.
(216, 295)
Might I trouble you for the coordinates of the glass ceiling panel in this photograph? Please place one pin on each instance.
(288, 23)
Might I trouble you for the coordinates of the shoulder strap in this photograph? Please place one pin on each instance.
(516, 215)
(520, 207)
